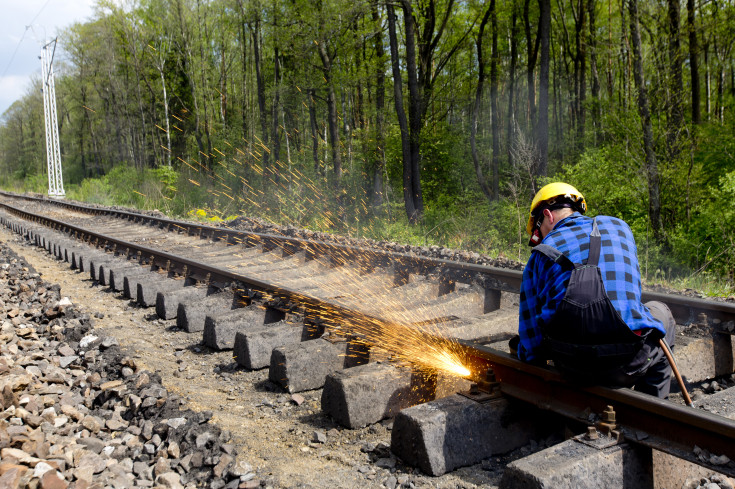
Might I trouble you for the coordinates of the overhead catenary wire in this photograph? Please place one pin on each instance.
(20, 41)
(5, 71)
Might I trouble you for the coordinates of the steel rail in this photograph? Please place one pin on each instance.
(642, 419)
(487, 276)
(685, 309)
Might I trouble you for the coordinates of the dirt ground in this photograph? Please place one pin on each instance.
(274, 432)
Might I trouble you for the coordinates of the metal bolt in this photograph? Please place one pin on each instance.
(592, 433)
(608, 415)
(474, 389)
(490, 375)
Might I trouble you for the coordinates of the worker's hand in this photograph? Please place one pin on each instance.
(513, 345)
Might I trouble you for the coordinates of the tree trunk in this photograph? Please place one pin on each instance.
(557, 108)
(379, 163)
(580, 70)
(188, 71)
(542, 127)
(332, 119)
(625, 61)
(721, 94)
(417, 80)
(160, 64)
(244, 109)
(494, 106)
(82, 132)
(694, 63)
(609, 65)
(707, 83)
(511, 82)
(314, 132)
(260, 88)
(654, 191)
(476, 107)
(165, 113)
(401, 114)
(676, 116)
(204, 39)
(275, 137)
(596, 116)
(141, 154)
(531, 54)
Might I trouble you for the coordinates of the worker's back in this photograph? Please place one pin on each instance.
(545, 282)
(618, 263)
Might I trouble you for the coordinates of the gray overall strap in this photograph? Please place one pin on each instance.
(595, 245)
(554, 255)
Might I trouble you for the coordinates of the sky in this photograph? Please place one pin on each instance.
(48, 18)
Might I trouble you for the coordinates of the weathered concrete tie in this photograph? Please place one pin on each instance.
(445, 434)
(363, 395)
(121, 265)
(190, 316)
(220, 329)
(167, 302)
(97, 264)
(149, 287)
(305, 366)
(573, 465)
(81, 259)
(253, 348)
(118, 275)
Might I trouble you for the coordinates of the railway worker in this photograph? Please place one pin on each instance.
(580, 303)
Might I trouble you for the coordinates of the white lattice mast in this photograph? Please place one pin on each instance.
(53, 153)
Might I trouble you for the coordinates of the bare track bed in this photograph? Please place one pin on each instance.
(287, 440)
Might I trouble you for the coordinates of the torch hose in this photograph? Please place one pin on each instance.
(670, 358)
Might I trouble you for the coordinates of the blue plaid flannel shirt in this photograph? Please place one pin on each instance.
(545, 282)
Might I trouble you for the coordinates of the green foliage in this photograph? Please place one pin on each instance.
(610, 184)
(709, 241)
(124, 185)
(446, 164)
(162, 106)
(698, 197)
(35, 183)
(93, 190)
(468, 223)
(202, 215)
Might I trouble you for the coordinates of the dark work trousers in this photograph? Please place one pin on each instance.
(656, 380)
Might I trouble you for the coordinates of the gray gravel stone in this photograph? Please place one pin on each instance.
(84, 412)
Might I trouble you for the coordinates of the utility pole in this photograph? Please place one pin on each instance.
(53, 154)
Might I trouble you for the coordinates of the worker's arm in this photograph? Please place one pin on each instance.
(542, 289)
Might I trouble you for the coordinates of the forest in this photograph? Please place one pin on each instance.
(420, 121)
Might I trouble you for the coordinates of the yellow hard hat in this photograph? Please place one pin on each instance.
(549, 194)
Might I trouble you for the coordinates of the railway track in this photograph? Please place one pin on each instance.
(300, 297)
